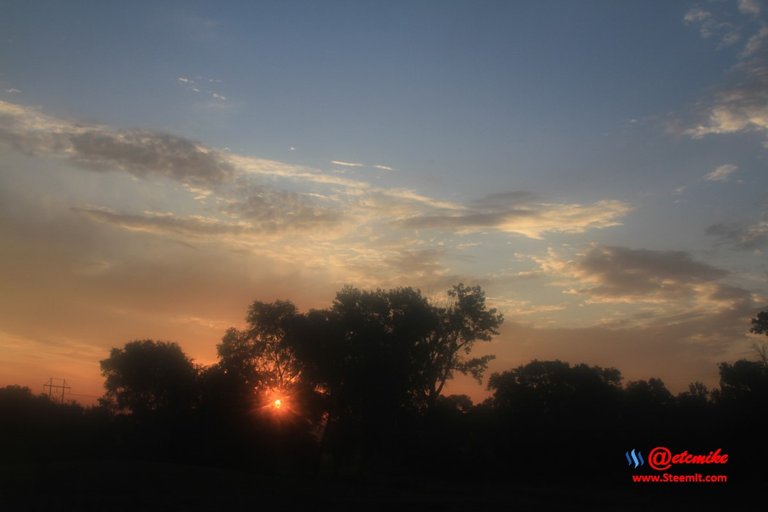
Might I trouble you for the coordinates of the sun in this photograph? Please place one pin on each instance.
(276, 403)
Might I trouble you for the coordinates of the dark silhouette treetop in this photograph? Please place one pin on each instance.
(744, 381)
(393, 348)
(760, 323)
(542, 389)
(259, 356)
(463, 322)
(147, 375)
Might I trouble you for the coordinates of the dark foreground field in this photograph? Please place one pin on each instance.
(155, 486)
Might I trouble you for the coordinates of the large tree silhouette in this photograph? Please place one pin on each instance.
(393, 348)
(258, 357)
(149, 376)
(464, 321)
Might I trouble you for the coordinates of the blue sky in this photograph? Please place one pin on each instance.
(598, 167)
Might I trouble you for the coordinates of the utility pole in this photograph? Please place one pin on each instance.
(51, 386)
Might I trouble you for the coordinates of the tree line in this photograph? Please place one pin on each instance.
(356, 389)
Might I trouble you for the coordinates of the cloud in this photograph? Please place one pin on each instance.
(347, 164)
(262, 211)
(721, 173)
(274, 169)
(380, 167)
(12, 90)
(741, 106)
(742, 236)
(271, 210)
(142, 153)
(756, 43)
(710, 26)
(621, 274)
(205, 86)
(749, 6)
(164, 223)
(664, 288)
(145, 154)
(523, 214)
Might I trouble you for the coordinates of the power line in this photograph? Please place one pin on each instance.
(51, 386)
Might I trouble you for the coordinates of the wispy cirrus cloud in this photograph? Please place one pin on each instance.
(721, 173)
(750, 7)
(360, 165)
(142, 153)
(294, 216)
(146, 154)
(523, 214)
(711, 26)
(347, 164)
(164, 222)
(741, 106)
(206, 88)
(750, 236)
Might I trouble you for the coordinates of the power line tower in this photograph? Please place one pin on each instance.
(51, 386)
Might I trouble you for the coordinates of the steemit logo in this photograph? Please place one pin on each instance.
(635, 457)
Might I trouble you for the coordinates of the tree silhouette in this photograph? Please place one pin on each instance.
(463, 322)
(697, 395)
(745, 382)
(760, 323)
(760, 326)
(363, 354)
(149, 376)
(259, 357)
(276, 362)
(394, 347)
(648, 394)
(547, 391)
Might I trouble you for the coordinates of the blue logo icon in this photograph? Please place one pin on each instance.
(635, 457)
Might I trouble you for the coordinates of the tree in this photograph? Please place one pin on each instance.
(744, 382)
(760, 323)
(150, 376)
(760, 326)
(554, 390)
(462, 323)
(698, 395)
(275, 362)
(393, 347)
(259, 355)
(259, 358)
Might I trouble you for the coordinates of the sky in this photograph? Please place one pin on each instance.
(598, 167)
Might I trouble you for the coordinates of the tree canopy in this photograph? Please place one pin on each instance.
(146, 376)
